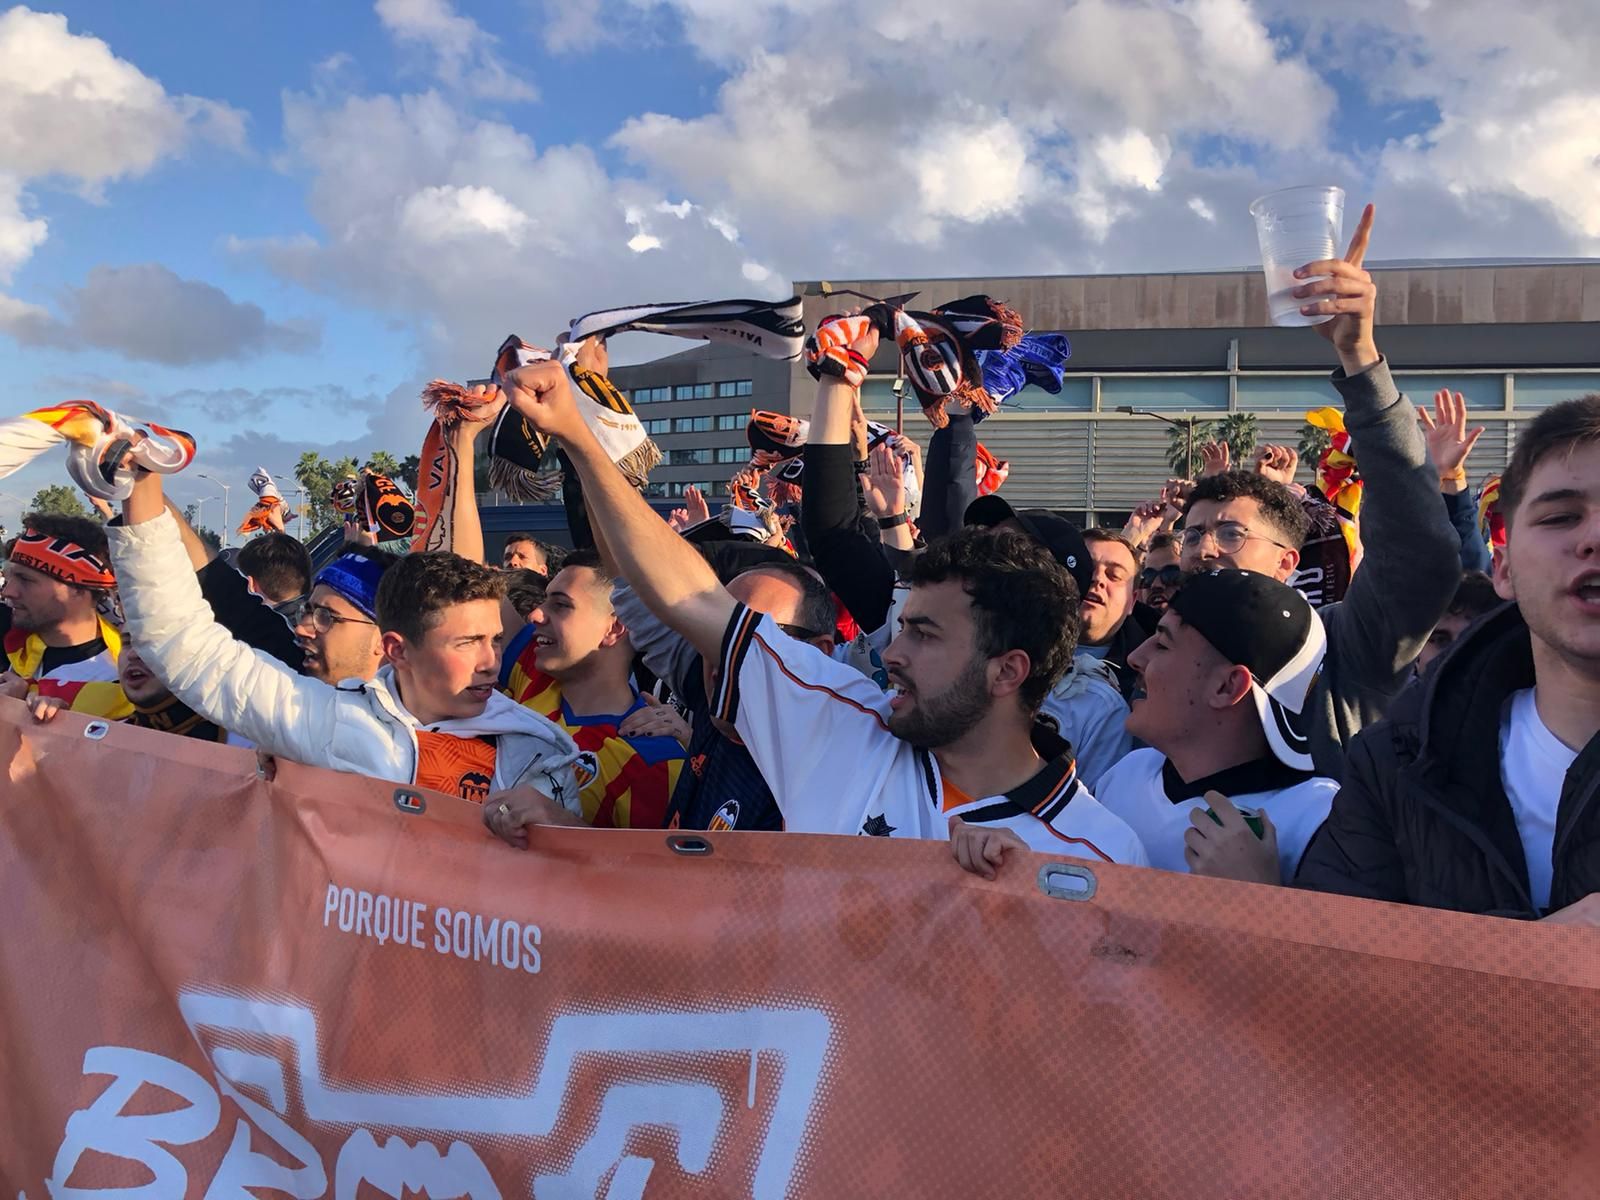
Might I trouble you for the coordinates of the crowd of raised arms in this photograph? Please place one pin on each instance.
(1395, 699)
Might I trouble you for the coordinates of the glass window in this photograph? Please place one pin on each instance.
(651, 395)
(1289, 393)
(658, 425)
(1481, 391)
(1179, 393)
(735, 387)
(1541, 391)
(691, 424)
(719, 488)
(732, 421)
(688, 458)
(693, 391)
(655, 489)
(731, 454)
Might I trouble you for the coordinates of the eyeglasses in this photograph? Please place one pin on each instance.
(322, 618)
(1167, 577)
(1230, 537)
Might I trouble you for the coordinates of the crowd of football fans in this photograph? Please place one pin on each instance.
(1251, 679)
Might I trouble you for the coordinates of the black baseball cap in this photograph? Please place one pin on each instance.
(1270, 629)
(1050, 529)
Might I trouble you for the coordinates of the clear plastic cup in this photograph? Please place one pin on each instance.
(1296, 226)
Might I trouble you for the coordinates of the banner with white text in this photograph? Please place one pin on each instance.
(330, 987)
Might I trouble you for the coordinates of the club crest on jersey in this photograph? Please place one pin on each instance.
(474, 786)
(587, 768)
(726, 817)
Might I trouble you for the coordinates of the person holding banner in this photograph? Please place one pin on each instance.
(430, 717)
(989, 626)
(1481, 790)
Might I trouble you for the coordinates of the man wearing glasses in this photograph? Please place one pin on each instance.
(1161, 573)
(336, 627)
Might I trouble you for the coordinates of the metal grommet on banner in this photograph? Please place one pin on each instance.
(408, 801)
(95, 730)
(688, 843)
(1062, 881)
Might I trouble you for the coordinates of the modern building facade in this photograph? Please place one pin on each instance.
(1512, 336)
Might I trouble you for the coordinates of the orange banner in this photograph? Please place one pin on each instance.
(328, 987)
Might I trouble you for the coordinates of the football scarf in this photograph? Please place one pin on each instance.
(98, 440)
(1338, 477)
(1491, 521)
(515, 444)
(1037, 360)
(992, 471)
(938, 349)
(64, 560)
(88, 686)
(770, 328)
(268, 500)
(777, 439)
(174, 716)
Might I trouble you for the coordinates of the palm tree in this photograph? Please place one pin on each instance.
(1178, 446)
(384, 463)
(1313, 441)
(1239, 431)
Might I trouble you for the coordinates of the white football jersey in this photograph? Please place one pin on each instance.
(1156, 803)
(818, 730)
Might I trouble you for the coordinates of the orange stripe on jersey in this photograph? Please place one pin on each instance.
(1067, 781)
(1076, 841)
(817, 687)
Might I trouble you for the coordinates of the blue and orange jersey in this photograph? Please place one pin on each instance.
(87, 685)
(624, 783)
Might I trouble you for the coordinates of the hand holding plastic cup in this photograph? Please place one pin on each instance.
(1296, 226)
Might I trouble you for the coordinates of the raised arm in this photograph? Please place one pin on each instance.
(239, 688)
(1411, 560)
(466, 527)
(666, 572)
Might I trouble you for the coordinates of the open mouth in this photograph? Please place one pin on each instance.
(1587, 589)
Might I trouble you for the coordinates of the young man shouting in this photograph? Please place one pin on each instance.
(430, 716)
(577, 671)
(989, 626)
(1481, 792)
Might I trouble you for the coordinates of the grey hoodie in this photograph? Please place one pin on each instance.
(1410, 567)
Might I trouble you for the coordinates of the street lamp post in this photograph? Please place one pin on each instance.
(226, 531)
(1187, 425)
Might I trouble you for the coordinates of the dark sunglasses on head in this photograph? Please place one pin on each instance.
(1168, 576)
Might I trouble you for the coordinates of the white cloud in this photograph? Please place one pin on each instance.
(146, 312)
(1201, 209)
(20, 234)
(464, 56)
(71, 110)
(441, 214)
(1132, 159)
(640, 242)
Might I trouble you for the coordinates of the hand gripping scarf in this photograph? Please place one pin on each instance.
(1491, 521)
(772, 329)
(62, 559)
(268, 499)
(516, 444)
(99, 439)
(938, 349)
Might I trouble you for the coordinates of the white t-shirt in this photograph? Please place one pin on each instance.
(1533, 766)
(818, 730)
(1156, 803)
(1087, 709)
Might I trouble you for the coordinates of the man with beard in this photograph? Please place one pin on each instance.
(58, 643)
(988, 627)
(1160, 573)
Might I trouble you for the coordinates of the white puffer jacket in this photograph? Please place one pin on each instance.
(358, 727)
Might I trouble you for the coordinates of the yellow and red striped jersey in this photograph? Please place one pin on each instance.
(87, 685)
(624, 783)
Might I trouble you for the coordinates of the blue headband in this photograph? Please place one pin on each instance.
(355, 577)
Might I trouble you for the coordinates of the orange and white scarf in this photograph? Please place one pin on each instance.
(99, 440)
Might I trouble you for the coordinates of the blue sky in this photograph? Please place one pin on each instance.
(269, 223)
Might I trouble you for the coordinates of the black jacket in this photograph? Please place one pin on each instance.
(1423, 817)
